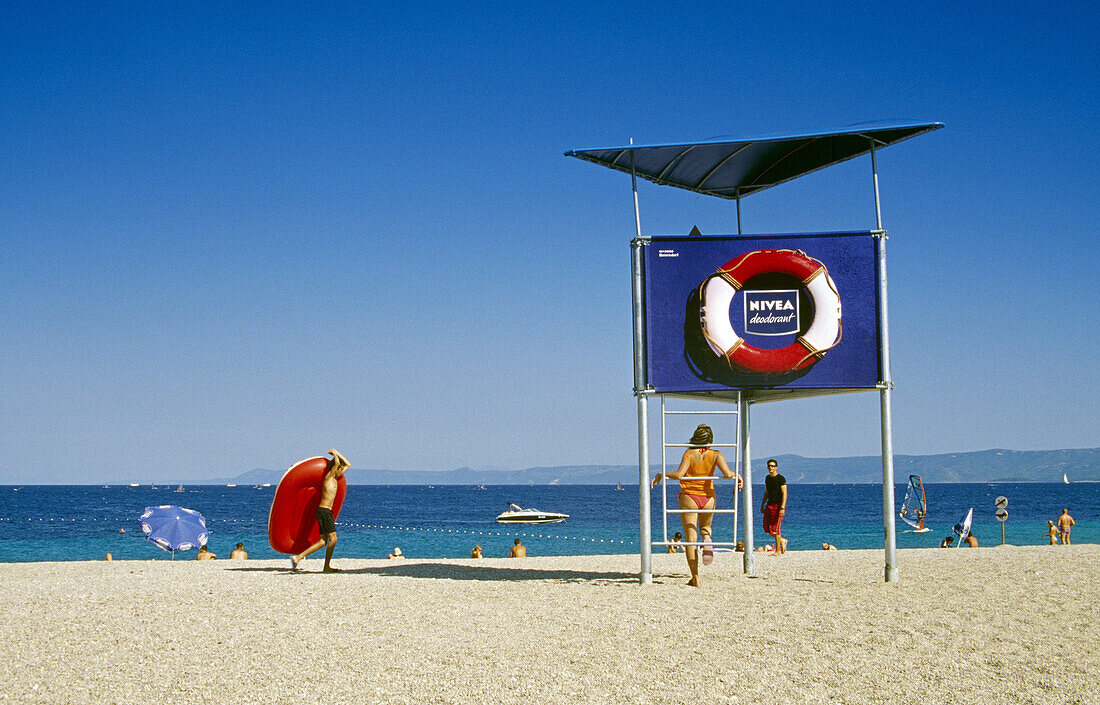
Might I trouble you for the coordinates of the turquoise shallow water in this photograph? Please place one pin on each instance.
(80, 522)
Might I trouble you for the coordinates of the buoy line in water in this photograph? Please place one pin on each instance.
(122, 520)
(469, 532)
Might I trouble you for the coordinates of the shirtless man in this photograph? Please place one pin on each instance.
(336, 469)
(518, 550)
(205, 555)
(1065, 522)
(238, 553)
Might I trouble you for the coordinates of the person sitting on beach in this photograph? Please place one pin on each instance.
(109, 557)
(971, 540)
(740, 547)
(205, 555)
(674, 546)
(1065, 523)
(1052, 533)
(476, 553)
(697, 496)
(828, 547)
(238, 553)
(518, 550)
(396, 555)
(946, 543)
(766, 548)
(327, 523)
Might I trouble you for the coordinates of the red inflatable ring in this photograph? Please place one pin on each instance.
(716, 294)
(292, 522)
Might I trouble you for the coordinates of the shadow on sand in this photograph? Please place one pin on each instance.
(442, 571)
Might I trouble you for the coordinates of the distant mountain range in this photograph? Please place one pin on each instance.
(1079, 465)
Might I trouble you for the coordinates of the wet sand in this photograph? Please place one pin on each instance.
(987, 625)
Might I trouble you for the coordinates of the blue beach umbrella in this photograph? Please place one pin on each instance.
(174, 528)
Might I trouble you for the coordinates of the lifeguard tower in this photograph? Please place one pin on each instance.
(748, 319)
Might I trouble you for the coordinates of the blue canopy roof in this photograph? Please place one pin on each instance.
(730, 167)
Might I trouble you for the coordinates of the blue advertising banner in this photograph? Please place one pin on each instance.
(761, 312)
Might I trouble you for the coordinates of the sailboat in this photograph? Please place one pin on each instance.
(1065, 479)
(180, 489)
(914, 508)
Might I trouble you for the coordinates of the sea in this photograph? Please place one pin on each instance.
(85, 522)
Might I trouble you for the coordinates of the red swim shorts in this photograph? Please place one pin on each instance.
(772, 520)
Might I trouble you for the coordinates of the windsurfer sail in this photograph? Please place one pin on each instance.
(914, 508)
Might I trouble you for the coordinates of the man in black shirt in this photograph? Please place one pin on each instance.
(774, 506)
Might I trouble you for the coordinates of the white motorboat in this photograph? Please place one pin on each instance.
(519, 515)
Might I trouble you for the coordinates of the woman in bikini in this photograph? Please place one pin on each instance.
(1052, 533)
(697, 495)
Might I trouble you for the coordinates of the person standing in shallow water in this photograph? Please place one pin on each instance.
(697, 496)
(1065, 523)
(1052, 533)
(774, 506)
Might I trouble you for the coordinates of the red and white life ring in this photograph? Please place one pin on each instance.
(716, 294)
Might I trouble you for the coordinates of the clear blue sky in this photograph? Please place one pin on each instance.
(236, 236)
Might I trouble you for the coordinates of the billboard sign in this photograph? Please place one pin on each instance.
(761, 312)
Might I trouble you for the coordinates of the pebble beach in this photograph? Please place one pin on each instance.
(988, 625)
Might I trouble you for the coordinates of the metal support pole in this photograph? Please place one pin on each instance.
(874, 173)
(645, 538)
(888, 519)
(664, 469)
(746, 472)
(737, 468)
(645, 577)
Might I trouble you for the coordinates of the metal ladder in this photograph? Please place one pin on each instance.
(732, 459)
